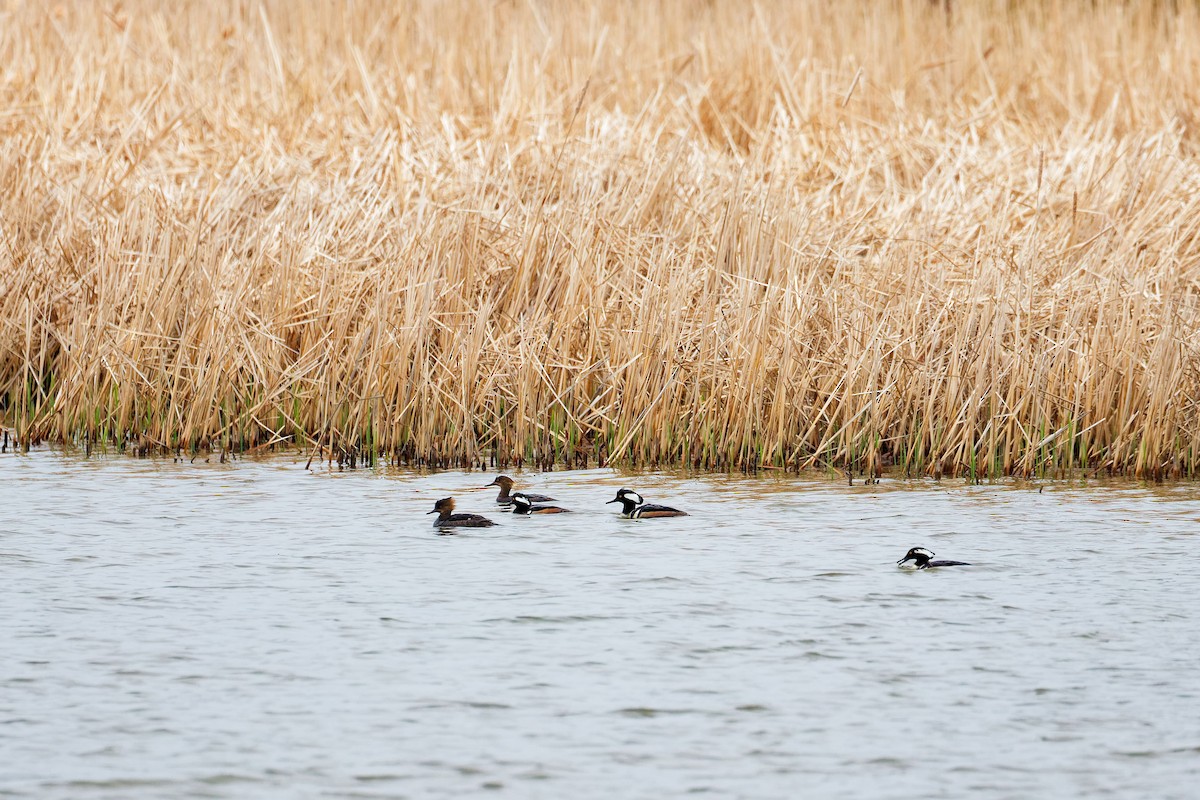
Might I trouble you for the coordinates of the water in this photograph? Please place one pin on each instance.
(253, 630)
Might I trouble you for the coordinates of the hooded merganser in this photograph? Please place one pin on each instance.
(506, 484)
(634, 507)
(444, 508)
(522, 505)
(921, 556)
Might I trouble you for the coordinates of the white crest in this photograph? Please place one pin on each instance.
(921, 551)
(635, 497)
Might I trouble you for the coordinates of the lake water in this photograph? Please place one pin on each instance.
(254, 630)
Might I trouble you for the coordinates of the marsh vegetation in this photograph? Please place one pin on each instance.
(958, 238)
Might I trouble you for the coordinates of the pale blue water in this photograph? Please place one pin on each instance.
(253, 630)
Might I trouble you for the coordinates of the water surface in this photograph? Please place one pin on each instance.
(254, 630)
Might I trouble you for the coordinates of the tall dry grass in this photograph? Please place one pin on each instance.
(961, 237)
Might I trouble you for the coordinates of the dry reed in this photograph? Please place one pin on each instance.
(958, 237)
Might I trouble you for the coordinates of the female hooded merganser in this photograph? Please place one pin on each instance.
(444, 508)
(921, 556)
(506, 484)
(522, 505)
(634, 507)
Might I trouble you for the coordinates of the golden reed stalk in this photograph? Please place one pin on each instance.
(958, 237)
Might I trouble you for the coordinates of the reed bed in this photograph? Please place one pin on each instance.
(960, 238)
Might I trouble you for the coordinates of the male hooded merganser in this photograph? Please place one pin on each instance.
(634, 507)
(522, 505)
(921, 556)
(444, 508)
(506, 484)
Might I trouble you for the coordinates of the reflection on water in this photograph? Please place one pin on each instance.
(253, 630)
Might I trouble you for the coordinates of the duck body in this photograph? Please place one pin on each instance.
(527, 511)
(505, 498)
(633, 506)
(522, 504)
(444, 508)
(923, 559)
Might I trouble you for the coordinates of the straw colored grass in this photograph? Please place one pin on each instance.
(963, 238)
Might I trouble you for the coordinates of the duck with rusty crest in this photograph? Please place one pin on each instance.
(633, 506)
(444, 508)
(505, 497)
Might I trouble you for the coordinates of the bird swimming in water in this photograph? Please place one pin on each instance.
(522, 505)
(506, 484)
(444, 508)
(634, 507)
(921, 558)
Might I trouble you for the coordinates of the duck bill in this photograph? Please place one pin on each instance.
(427, 513)
(610, 502)
(901, 561)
